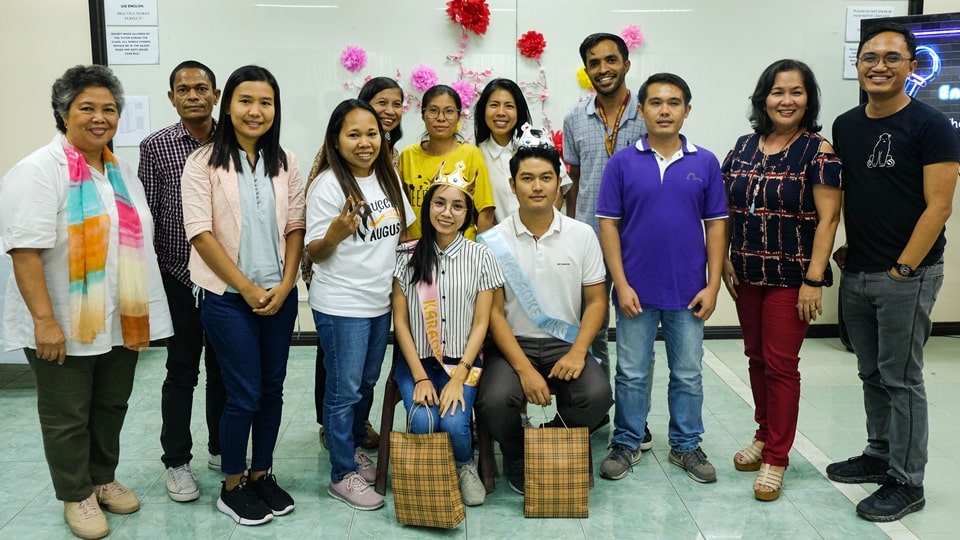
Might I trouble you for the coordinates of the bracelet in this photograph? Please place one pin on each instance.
(466, 366)
(419, 381)
(813, 282)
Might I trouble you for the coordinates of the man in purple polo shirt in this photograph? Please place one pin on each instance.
(656, 200)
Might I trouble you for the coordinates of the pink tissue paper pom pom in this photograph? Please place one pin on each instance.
(353, 58)
(632, 36)
(466, 91)
(423, 77)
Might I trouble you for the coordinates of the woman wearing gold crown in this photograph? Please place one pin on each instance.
(442, 292)
(438, 152)
(356, 214)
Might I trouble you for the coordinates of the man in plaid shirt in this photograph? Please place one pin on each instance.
(194, 93)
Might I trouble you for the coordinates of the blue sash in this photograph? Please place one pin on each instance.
(523, 290)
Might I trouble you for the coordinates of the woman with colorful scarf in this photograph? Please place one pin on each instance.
(243, 212)
(85, 296)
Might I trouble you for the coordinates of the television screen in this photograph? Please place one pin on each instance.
(936, 81)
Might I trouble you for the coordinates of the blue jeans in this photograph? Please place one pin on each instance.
(252, 350)
(456, 423)
(888, 321)
(353, 350)
(683, 334)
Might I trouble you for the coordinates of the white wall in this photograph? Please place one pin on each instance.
(39, 46)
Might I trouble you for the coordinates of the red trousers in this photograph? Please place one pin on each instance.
(772, 335)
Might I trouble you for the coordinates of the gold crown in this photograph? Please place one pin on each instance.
(456, 178)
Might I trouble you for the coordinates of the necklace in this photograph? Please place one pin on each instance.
(762, 167)
(786, 144)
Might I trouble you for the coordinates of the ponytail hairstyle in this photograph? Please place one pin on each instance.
(330, 158)
(480, 128)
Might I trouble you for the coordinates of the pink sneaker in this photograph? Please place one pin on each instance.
(365, 466)
(355, 493)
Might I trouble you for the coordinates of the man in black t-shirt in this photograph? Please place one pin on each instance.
(900, 163)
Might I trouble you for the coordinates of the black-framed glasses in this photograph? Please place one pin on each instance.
(891, 60)
(434, 112)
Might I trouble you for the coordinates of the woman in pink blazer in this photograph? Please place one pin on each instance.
(243, 211)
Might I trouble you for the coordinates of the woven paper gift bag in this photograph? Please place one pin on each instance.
(423, 475)
(556, 465)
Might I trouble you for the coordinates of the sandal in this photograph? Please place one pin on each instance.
(749, 458)
(767, 477)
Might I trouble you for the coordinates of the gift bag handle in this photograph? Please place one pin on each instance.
(430, 426)
(562, 421)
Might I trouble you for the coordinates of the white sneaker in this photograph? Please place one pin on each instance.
(471, 488)
(181, 486)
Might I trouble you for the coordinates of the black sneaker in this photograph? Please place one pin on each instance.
(243, 505)
(858, 470)
(647, 442)
(619, 462)
(515, 477)
(891, 502)
(279, 501)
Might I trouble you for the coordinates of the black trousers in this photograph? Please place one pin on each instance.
(581, 402)
(184, 349)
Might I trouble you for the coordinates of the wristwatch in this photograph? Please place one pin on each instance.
(905, 270)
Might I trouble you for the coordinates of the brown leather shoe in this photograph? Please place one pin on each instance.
(372, 440)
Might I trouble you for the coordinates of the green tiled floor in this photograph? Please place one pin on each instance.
(656, 501)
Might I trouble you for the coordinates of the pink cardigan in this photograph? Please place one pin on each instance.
(211, 203)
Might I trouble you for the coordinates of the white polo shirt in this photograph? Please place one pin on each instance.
(558, 264)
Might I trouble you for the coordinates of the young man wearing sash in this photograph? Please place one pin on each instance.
(592, 131)
(554, 271)
(656, 200)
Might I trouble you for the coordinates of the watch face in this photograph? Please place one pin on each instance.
(905, 270)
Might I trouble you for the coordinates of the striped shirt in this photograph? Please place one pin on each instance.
(584, 146)
(464, 269)
(162, 155)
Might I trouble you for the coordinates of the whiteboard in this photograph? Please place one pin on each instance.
(719, 47)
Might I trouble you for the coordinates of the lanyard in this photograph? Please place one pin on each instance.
(611, 139)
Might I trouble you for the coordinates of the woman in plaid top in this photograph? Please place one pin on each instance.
(783, 185)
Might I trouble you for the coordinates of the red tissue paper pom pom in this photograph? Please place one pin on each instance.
(474, 15)
(532, 44)
(557, 137)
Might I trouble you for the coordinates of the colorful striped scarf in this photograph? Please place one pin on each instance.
(88, 232)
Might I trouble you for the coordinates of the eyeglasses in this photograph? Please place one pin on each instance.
(433, 113)
(891, 60)
(456, 208)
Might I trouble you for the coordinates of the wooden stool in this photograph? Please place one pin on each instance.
(391, 396)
